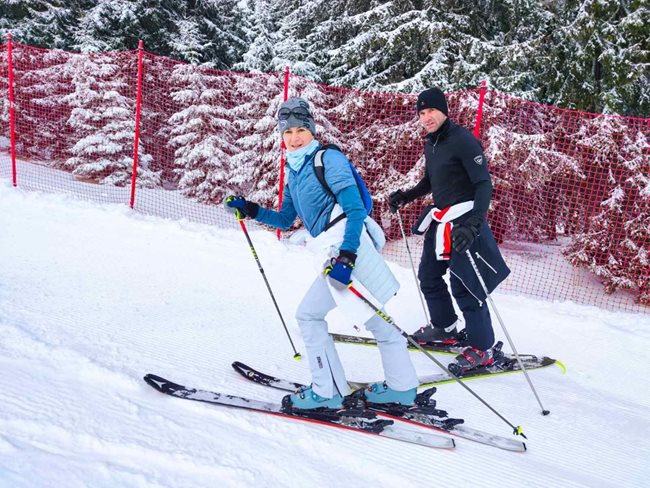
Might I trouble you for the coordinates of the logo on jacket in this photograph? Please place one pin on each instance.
(478, 159)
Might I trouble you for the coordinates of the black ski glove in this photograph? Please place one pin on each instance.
(463, 235)
(246, 208)
(396, 200)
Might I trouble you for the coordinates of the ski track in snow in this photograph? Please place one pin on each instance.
(93, 297)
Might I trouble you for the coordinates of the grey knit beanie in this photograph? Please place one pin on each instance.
(295, 113)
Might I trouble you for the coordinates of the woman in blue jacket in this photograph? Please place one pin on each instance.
(350, 249)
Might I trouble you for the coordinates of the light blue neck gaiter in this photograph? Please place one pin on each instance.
(297, 158)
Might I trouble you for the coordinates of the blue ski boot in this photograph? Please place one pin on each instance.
(382, 393)
(306, 399)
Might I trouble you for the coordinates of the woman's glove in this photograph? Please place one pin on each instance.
(246, 208)
(340, 269)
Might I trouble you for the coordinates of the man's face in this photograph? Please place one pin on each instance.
(431, 119)
(296, 138)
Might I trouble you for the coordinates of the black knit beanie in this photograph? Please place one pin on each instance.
(432, 98)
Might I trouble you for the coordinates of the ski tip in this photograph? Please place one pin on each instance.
(152, 377)
(154, 381)
(238, 366)
(161, 384)
(242, 369)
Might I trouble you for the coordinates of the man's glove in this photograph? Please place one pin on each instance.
(463, 235)
(341, 268)
(396, 200)
(246, 209)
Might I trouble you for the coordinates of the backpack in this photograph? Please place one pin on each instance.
(319, 171)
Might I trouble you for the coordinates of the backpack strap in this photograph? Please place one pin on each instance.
(319, 171)
(319, 168)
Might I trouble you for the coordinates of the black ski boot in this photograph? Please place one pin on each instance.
(440, 335)
(473, 359)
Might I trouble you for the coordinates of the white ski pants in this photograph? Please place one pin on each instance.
(328, 376)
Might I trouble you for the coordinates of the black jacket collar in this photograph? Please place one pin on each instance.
(442, 132)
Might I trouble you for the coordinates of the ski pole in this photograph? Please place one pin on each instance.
(515, 430)
(503, 326)
(415, 276)
(240, 219)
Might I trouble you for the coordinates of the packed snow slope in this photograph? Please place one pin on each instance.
(93, 297)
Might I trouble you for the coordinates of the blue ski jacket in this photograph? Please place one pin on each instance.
(306, 198)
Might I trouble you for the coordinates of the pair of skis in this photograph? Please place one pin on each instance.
(381, 420)
(359, 420)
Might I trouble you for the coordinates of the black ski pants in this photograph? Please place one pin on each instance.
(478, 323)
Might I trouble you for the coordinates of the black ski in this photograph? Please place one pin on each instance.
(424, 413)
(358, 420)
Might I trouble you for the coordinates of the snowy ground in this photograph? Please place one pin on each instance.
(94, 296)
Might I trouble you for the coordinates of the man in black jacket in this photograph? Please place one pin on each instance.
(456, 176)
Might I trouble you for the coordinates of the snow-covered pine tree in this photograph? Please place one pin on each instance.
(189, 44)
(326, 26)
(201, 131)
(261, 38)
(255, 166)
(44, 23)
(40, 84)
(292, 46)
(501, 42)
(102, 119)
(603, 49)
(528, 169)
(157, 108)
(110, 25)
(222, 24)
(391, 156)
(616, 241)
(383, 45)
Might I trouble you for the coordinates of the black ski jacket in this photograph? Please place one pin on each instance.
(456, 170)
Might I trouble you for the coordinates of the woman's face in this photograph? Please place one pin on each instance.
(296, 138)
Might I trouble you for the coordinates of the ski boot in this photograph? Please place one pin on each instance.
(430, 334)
(382, 393)
(307, 399)
(473, 359)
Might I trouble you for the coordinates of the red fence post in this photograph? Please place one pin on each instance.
(12, 115)
(282, 149)
(479, 112)
(138, 104)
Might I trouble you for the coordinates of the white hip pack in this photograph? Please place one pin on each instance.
(443, 230)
